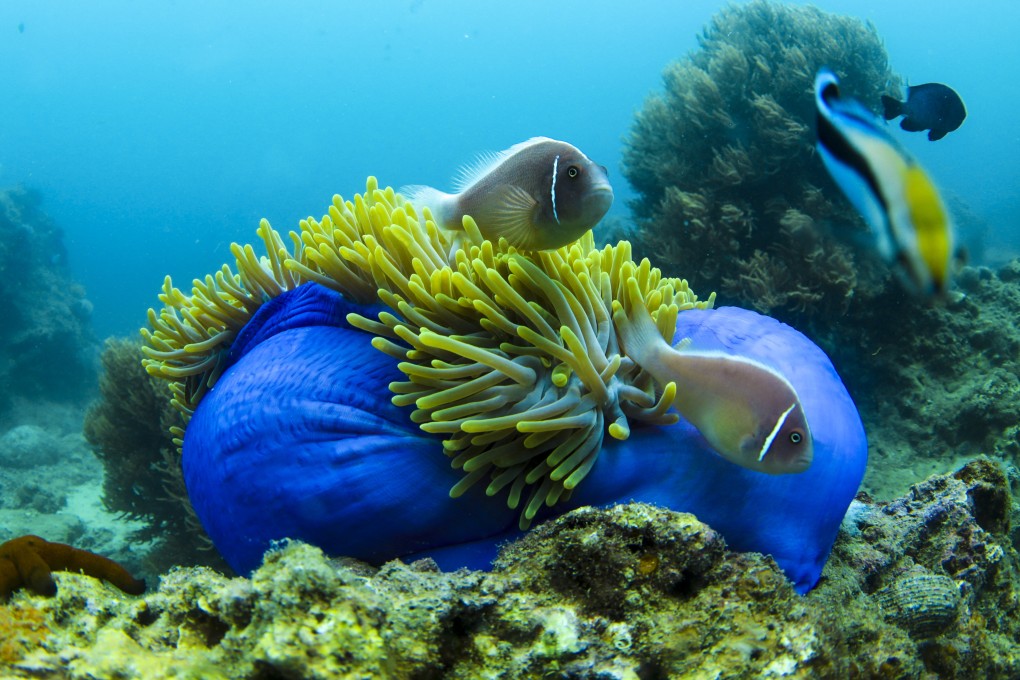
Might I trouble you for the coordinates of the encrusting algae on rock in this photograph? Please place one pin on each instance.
(22, 629)
(511, 356)
(630, 591)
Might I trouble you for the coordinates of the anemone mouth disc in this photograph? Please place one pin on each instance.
(510, 356)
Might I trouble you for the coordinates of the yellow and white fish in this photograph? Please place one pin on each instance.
(540, 194)
(888, 187)
(748, 412)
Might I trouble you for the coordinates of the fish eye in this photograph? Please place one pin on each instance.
(796, 437)
(573, 171)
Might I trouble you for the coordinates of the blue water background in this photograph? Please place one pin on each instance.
(159, 132)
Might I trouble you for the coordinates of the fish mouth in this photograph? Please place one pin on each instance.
(602, 195)
(801, 464)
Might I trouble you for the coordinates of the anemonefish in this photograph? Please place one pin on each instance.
(888, 187)
(540, 194)
(746, 411)
(932, 106)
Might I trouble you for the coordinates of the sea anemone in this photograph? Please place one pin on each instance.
(510, 356)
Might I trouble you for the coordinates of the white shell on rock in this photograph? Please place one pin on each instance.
(924, 604)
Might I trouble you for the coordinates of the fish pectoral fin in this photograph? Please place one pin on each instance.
(682, 344)
(911, 125)
(513, 200)
(750, 449)
(512, 215)
(935, 135)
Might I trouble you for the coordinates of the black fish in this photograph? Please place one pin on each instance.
(932, 106)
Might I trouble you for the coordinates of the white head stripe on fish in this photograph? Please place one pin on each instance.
(556, 163)
(774, 432)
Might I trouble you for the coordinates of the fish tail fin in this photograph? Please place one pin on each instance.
(637, 331)
(438, 202)
(891, 107)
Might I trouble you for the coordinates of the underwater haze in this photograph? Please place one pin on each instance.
(159, 132)
(812, 470)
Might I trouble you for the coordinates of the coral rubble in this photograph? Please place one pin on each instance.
(923, 586)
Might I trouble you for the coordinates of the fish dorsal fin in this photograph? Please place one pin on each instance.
(512, 216)
(775, 432)
(487, 161)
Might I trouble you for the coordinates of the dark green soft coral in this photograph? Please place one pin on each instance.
(129, 430)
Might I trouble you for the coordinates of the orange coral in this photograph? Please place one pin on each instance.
(29, 561)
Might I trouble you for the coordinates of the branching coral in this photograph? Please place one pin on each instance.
(730, 191)
(128, 431)
(511, 357)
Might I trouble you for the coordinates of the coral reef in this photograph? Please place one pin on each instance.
(923, 586)
(130, 431)
(26, 446)
(47, 349)
(951, 535)
(738, 201)
(730, 190)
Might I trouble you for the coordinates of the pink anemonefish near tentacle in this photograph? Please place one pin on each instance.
(888, 187)
(540, 194)
(747, 412)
